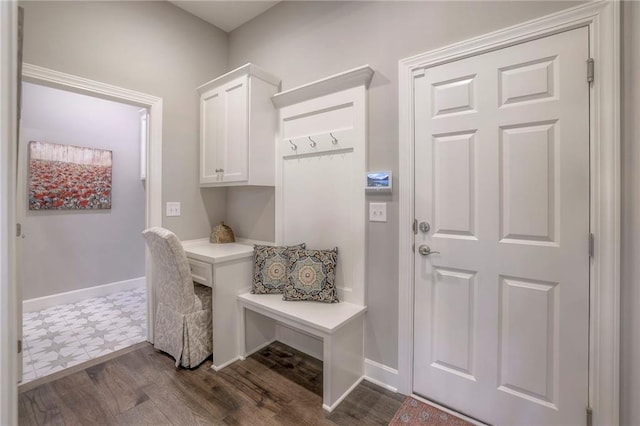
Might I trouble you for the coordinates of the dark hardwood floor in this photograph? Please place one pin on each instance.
(275, 386)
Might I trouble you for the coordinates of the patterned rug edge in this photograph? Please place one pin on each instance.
(414, 412)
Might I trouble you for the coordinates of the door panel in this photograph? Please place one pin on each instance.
(236, 136)
(528, 333)
(528, 188)
(211, 135)
(454, 184)
(502, 175)
(453, 322)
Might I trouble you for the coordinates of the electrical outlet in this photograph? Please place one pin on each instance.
(173, 208)
(377, 212)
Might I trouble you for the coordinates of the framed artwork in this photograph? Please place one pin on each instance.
(64, 177)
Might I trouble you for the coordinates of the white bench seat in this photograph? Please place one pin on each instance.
(339, 325)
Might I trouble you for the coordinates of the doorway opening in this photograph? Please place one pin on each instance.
(149, 109)
(82, 199)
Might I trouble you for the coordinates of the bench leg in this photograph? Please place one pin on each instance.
(343, 367)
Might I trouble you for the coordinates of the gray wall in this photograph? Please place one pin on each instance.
(70, 250)
(630, 268)
(305, 41)
(151, 47)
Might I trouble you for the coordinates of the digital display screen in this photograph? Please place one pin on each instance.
(378, 180)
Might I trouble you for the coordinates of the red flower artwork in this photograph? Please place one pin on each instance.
(63, 177)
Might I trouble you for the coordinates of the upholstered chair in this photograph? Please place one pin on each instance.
(183, 319)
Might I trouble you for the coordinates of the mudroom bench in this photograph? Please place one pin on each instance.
(340, 326)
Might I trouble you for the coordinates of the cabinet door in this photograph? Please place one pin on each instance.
(233, 150)
(211, 134)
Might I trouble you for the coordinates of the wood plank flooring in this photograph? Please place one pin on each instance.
(275, 386)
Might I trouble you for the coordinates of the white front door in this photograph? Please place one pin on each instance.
(502, 178)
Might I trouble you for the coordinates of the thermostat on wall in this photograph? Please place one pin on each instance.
(379, 181)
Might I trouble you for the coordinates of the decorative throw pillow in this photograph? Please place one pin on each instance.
(270, 268)
(311, 275)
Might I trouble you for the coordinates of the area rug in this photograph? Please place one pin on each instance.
(414, 412)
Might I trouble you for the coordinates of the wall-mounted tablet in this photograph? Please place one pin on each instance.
(379, 181)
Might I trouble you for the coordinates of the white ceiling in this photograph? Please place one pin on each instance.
(226, 15)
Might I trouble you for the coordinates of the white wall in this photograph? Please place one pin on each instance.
(630, 267)
(151, 47)
(69, 250)
(305, 41)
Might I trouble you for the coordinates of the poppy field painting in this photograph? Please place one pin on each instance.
(64, 177)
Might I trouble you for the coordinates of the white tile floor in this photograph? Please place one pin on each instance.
(63, 336)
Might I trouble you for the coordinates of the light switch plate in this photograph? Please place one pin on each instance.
(377, 212)
(173, 208)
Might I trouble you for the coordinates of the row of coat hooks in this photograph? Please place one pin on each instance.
(313, 143)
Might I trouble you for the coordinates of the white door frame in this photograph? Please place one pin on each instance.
(603, 20)
(153, 193)
(8, 152)
(153, 182)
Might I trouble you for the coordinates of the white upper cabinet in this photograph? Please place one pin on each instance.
(237, 128)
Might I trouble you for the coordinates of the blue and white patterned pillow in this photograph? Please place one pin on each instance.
(270, 268)
(311, 275)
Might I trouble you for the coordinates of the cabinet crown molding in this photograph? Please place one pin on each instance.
(342, 81)
(247, 69)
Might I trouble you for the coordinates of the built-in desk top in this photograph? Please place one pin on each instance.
(205, 251)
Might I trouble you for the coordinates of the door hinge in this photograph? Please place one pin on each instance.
(19, 346)
(592, 245)
(415, 226)
(18, 229)
(590, 70)
(419, 72)
(589, 416)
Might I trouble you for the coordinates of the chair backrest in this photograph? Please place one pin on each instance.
(170, 273)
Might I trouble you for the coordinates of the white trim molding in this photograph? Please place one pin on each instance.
(381, 375)
(247, 69)
(603, 20)
(39, 303)
(9, 359)
(335, 83)
(153, 183)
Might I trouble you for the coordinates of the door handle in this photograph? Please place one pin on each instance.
(424, 227)
(425, 250)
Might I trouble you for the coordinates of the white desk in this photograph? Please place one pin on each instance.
(228, 270)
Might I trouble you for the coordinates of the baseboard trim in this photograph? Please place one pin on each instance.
(381, 375)
(45, 302)
(344, 395)
(231, 361)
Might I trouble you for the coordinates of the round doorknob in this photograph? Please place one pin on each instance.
(425, 250)
(424, 227)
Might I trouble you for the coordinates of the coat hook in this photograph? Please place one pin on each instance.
(313, 143)
(333, 139)
(293, 145)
